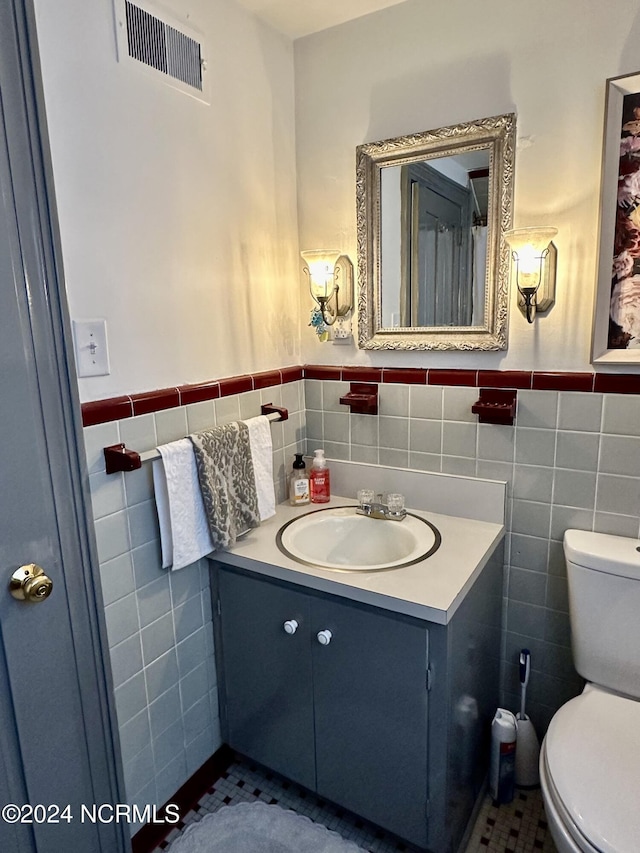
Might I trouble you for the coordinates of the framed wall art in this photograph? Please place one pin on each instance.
(616, 328)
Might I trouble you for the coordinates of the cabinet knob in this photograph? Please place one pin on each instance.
(324, 637)
(290, 626)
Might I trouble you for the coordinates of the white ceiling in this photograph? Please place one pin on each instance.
(297, 18)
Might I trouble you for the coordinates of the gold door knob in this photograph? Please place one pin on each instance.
(29, 583)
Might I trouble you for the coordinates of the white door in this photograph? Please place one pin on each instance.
(56, 734)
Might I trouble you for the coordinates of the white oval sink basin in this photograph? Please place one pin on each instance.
(338, 538)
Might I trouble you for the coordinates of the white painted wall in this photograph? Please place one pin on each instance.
(419, 66)
(178, 220)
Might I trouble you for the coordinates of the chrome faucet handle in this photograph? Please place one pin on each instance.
(395, 502)
(395, 507)
(365, 501)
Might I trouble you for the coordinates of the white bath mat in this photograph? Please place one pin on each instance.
(259, 828)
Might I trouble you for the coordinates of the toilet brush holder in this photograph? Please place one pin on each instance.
(527, 754)
(527, 746)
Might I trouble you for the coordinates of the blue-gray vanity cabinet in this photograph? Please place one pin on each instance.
(347, 719)
(390, 719)
(265, 675)
(370, 712)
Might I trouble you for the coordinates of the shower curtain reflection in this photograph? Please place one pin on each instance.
(479, 272)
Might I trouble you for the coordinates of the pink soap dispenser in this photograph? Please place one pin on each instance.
(320, 479)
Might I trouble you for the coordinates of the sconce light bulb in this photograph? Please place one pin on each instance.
(529, 267)
(528, 259)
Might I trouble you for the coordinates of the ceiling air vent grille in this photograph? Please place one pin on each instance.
(169, 48)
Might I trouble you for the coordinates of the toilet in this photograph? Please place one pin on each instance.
(590, 756)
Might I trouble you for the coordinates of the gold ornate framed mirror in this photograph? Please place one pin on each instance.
(432, 209)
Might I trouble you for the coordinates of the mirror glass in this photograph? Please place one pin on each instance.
(432, 209)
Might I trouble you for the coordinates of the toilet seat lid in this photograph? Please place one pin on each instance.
(593, 757)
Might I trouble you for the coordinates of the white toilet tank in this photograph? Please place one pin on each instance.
(604, 605)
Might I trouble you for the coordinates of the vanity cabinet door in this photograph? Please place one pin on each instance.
(267, 674)
(371, 715)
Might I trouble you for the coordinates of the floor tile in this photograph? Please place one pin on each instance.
(520, 826)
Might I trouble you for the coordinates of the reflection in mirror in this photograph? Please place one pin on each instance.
(432, 209)
(434, 241)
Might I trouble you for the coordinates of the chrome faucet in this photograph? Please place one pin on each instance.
(392, 510)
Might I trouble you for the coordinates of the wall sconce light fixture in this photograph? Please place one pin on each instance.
(330, 277)
(534, 256)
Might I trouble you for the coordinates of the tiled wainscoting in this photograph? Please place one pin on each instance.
(571, 459)
(158, 622)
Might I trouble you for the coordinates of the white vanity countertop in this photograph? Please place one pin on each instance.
(431, 589)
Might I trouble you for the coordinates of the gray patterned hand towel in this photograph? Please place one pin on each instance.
(227, 481)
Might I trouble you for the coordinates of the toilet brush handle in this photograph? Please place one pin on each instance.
(525, 670)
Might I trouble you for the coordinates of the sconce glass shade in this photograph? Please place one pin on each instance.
(330, 281)
(534, 255)
(321, 265)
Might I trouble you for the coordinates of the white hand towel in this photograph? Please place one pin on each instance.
(262, 458)
(184, 532)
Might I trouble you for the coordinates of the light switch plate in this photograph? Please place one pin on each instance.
(90, 344)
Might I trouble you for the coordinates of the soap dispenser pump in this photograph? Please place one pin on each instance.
(298, 483)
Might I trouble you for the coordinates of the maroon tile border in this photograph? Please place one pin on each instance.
(101, 411)
(505, 378)
(237, 385)
(119, 408)
(199, 393)
(291, 374)
(452, 377)
(317, 371)
(563, 381)
(617, 383)
(405, 375)
(155, 401)
(362, 374)
(266, 379)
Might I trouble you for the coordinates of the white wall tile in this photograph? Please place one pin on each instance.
(618, 494)
(139, 433)
(154, 600)
(533, 483)
(122, 619)
(112, 536)
(425, 401)
(171, 424)
(574, 488)
(578, 450)
(457, 402)
(535, 446)
(620, 455)
(537, 409)
(116, 577)
(96, 438)
(578, 411)
(200, 416)
(107, 493)
(143, 523)
(621, 415)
